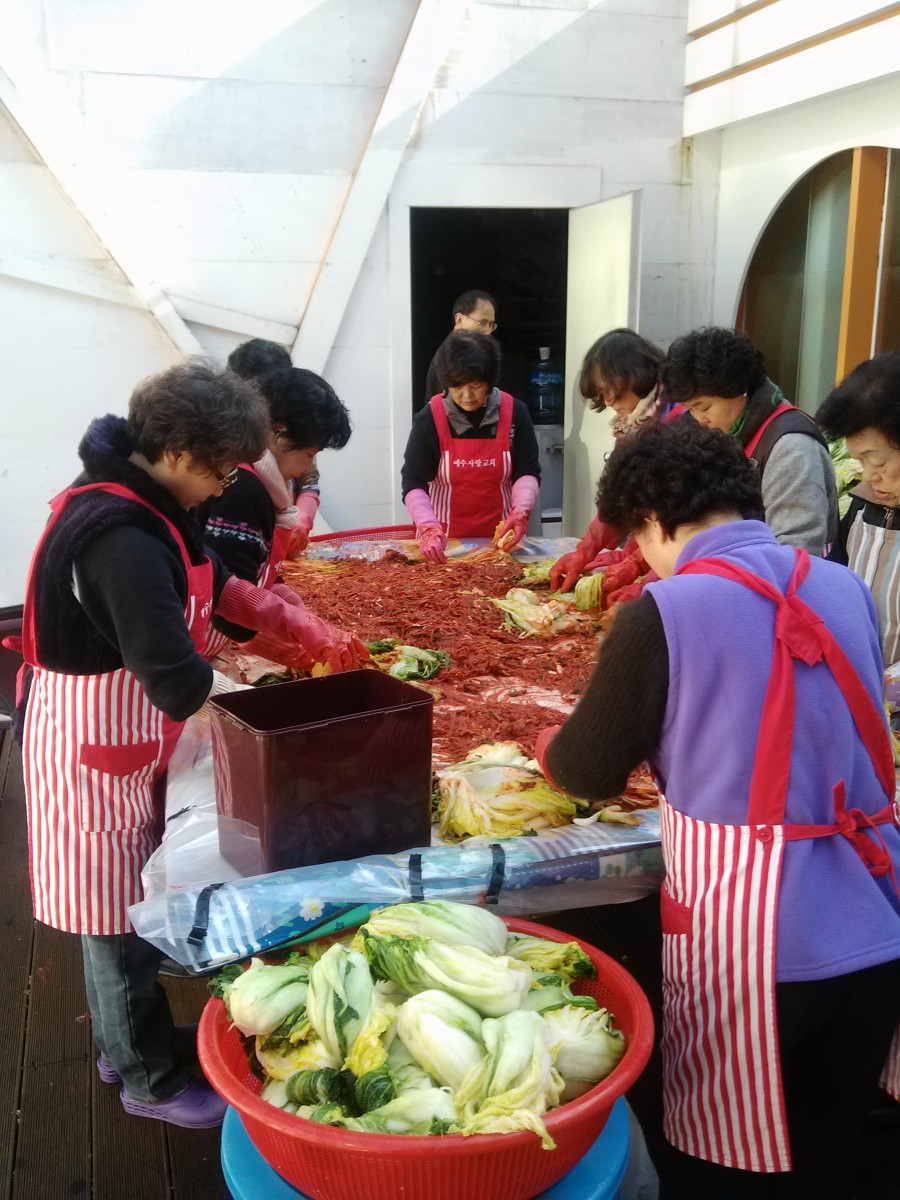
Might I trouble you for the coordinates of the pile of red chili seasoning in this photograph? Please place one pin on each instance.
(499, 686)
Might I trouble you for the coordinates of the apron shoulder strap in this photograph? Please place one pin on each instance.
(800, 633)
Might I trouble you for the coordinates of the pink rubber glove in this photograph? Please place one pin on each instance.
(288, 633)
(523, 495)
(307, 506)
(288, 595)
(510, 532)
(432, 542)
(569, 567)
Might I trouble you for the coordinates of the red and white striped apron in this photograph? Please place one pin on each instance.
(93, 748)
(723, 1095)
(268, 573)
(873, 552)
(472, 493)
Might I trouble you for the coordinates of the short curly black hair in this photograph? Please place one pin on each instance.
(467, 357)
(625, 361)
(868, 398)
(307, 407)
(214, 415)
(678, 473)
(253, 359)
(712, 362)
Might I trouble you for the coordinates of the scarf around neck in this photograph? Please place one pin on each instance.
(266, 467)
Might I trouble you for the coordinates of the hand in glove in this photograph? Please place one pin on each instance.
(630, 591)
(567, 569)
(288, 633)
(510, 532)
(432, 542)
(542, 745)
(299, 540)
(307, 506)
(288, 595)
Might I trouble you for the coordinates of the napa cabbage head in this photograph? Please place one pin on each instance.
(369, 1049)
(260, 998)
(515, 1083)
(557, 958)
(283, 1060)
(444, 920)
(442, 1034)
(339, 998)
(420, 1112)
(408, 1074)
(274, 1092)
(552, 991)
(585, 1046)
(320, 1087)
(491, 984)
(483, 798)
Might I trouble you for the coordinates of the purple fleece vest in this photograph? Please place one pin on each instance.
(833, 917)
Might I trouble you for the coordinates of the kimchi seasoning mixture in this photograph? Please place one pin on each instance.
(499, 686)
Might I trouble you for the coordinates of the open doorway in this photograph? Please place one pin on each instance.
(519, 256)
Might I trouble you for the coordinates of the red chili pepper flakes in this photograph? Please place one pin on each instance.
(446, 607)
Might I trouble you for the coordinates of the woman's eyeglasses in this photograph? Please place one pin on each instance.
(225, 481)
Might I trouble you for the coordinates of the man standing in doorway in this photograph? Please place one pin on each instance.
(473, 310)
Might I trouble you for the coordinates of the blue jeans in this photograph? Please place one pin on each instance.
(130, 1016)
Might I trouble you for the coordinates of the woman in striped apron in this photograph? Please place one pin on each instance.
(471, 467)
(254, 525)
(750, 675)
(865, 410)
(117, 609)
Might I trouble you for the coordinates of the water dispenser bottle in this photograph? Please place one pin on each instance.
(545, 393)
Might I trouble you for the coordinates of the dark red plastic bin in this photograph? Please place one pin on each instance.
(324, 769)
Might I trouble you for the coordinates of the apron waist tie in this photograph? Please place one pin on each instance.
(852, 824)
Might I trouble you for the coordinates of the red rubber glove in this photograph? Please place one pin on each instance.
(566, 570)
(630, 591)
(288, 633)
(432, 542)
(510, 532)
(541, 746)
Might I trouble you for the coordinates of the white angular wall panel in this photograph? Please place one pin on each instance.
(37, 218)
(228, 124)
(66, 360)
(289, 41)
(199, 225)
(548, 51)
(516, 129)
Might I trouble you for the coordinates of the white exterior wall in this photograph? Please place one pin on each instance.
(763, 159)
(211, 146)
(772, 92)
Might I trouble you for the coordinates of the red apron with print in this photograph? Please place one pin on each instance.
(93, 748)
(719, 904)
(268, 573)
(471, 493)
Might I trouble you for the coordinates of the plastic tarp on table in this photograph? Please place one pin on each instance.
(201, 913)
(209, 925)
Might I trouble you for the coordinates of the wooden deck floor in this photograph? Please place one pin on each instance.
(64, 1134)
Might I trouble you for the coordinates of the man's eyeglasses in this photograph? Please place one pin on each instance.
(225, 481)
(484, 326)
